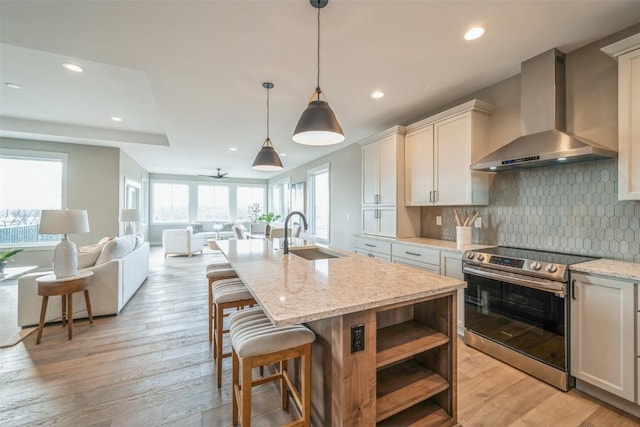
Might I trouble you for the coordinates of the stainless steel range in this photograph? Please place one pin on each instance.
(517, 309)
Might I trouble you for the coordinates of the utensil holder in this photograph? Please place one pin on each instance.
(463, 235)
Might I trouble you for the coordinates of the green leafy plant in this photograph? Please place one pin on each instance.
(269, 217)
(7, 255)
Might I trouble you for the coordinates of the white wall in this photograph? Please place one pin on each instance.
(130, 169)
(345, 192)
(93, 183)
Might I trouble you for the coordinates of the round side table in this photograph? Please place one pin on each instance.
(65, 287)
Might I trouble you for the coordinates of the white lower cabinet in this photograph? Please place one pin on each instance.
(373, 248)
(416, 256)
(451, 266)
(603, 318)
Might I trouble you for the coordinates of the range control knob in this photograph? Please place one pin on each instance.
(552, 268)
(480, 257)
(535, 265)
(470, 255)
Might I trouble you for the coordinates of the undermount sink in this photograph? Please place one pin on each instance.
(314, 253)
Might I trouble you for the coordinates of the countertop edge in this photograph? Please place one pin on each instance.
(610, 267)
(367, 306)
(445, 245)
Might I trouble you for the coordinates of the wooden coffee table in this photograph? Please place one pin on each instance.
(64, 287)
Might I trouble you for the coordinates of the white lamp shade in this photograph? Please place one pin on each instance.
(68, 221)
(127, 215)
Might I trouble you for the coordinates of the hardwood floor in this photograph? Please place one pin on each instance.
(152, 366)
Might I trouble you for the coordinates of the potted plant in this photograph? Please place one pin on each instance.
(7, 256)
(269, 217)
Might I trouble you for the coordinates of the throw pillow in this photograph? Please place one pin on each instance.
(197, 228)
(227, 226)
(116, 248)
(87, 255)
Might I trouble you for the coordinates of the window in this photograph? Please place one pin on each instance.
(319, 209)
(213, 202)
(280, 197)
(170, 202)
(29, 182)
(189, 201)
(245, 198)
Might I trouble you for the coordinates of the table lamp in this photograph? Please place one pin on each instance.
(128, 216)
(68, 221)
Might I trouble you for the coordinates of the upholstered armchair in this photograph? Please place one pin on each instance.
(181, 241)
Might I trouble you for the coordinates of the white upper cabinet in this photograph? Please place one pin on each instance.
(627, 52)
(438, 153)
(379, 172)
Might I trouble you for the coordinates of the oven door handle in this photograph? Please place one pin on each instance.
(557, 288)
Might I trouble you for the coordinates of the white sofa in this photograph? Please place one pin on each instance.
(181, 241)
(218, 229)
(119, 269)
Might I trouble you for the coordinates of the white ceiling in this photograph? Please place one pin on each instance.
(186, 76)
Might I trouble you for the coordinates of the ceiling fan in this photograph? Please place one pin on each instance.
(218, 176)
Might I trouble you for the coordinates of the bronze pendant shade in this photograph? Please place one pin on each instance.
(318, 124)
(267, 158)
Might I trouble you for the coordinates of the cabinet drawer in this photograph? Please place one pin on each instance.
(416, 253)
(432, 268)
(373, 245)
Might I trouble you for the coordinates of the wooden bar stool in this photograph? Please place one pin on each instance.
(228, 293)
(217, 271)
(256, 342)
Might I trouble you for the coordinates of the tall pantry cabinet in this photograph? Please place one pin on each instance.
(627, 52)
(383, 209)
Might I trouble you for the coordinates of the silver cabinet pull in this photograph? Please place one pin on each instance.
(435, 195)
(377, 199)
(370, 245)
(412, 253)
(573, 289)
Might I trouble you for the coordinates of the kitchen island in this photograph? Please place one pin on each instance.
(385, 347)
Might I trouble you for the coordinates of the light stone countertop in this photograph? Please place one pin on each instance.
(446, 245)
(293, 290)
(610, 267)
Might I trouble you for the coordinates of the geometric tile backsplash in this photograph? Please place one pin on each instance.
(572, 208)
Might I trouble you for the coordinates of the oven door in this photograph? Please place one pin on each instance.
(526, 314)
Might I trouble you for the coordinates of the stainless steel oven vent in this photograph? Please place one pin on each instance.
(542, 110)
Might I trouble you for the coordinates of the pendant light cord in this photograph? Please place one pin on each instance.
(318, 80)
(267, 113)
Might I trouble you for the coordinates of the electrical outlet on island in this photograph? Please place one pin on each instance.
(478, 222)
(438, 220)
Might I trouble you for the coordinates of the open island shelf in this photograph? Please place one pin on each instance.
(415, 364)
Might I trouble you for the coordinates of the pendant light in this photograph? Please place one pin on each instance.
(267, 158)
(318, 124)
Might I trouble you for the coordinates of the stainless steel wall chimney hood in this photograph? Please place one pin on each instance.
(542, 110)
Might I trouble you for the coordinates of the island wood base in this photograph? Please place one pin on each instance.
(406, 374)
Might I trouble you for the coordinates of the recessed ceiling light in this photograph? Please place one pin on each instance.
(283, 154)
(474, 33)
(116, 119)
(377, 94)
(13, 85)
(493, 168)
(72, 67)
(233, 149)
(562, 159)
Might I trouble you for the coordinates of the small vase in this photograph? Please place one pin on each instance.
(3, 264)
(267, 230)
